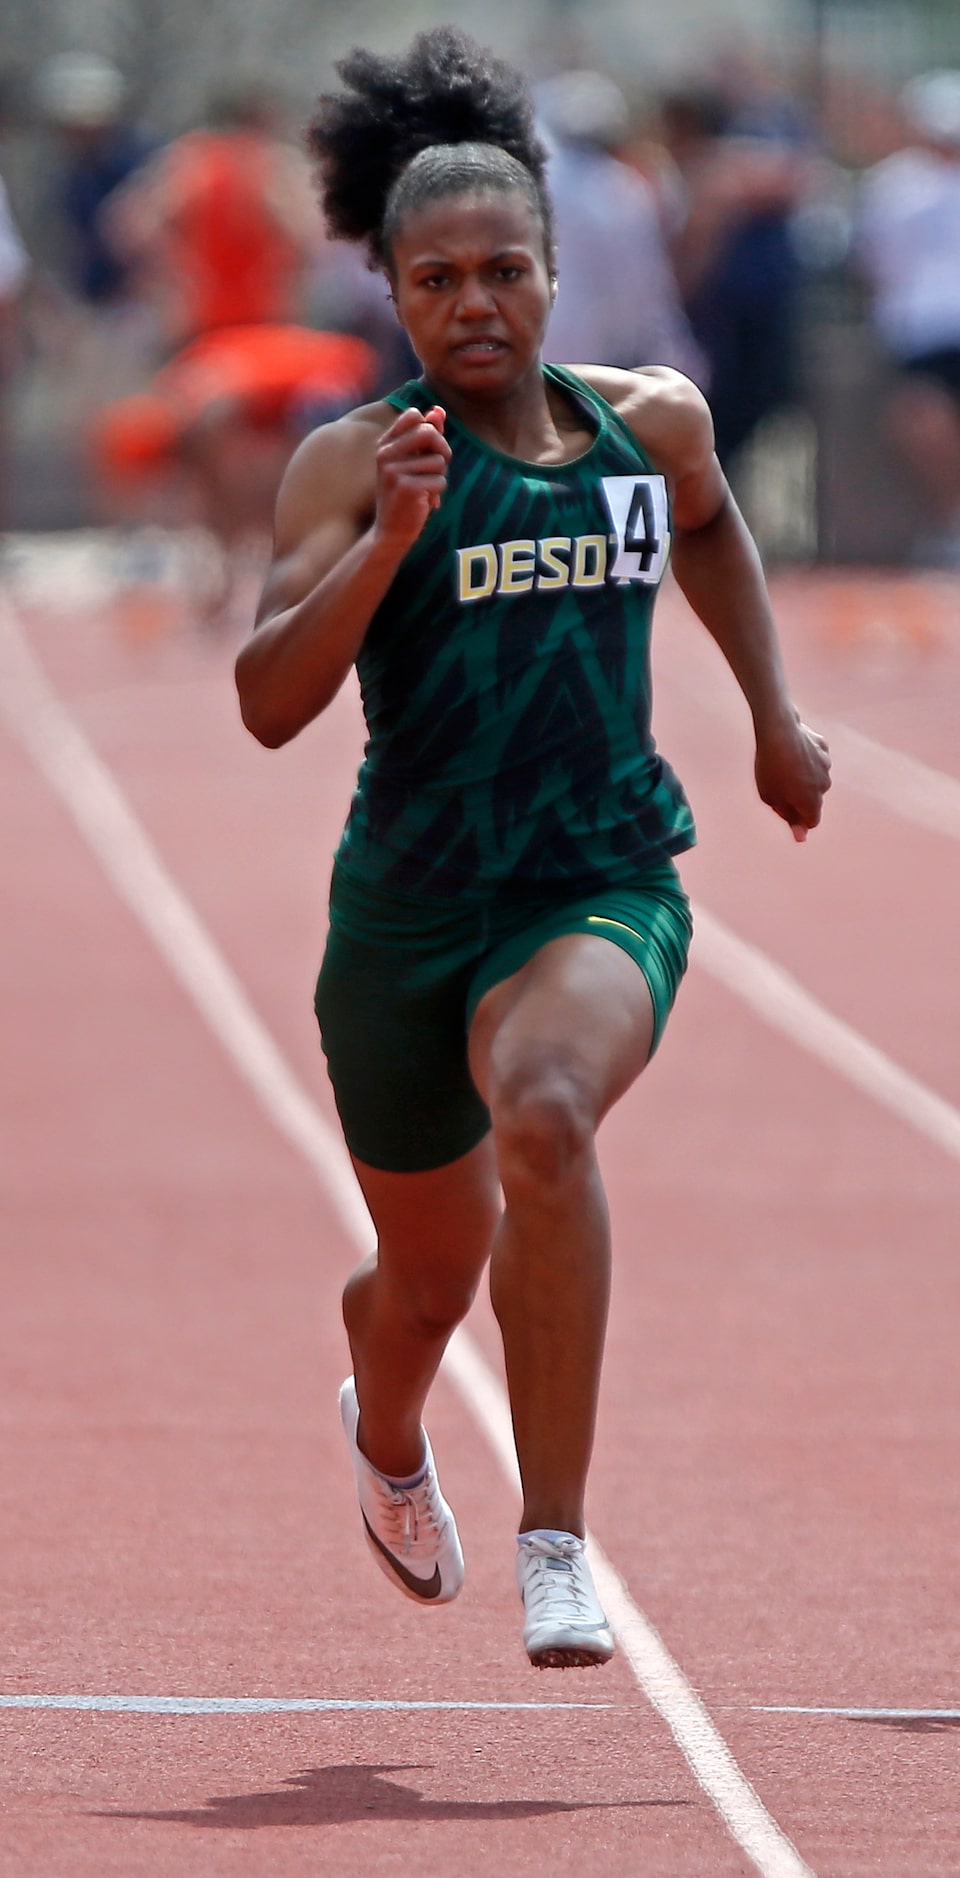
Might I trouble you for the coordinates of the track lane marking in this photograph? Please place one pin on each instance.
(783, 1003)
(41, 724)
(913, 790)
(916, 791)
(661, 1679)
(254, 1705)
(56, 744)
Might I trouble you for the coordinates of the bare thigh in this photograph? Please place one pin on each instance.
(580, 1008)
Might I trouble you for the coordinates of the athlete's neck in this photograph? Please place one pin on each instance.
(533, 421)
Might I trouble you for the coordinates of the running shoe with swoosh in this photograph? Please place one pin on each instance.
(410, 1530)
(565, 1627)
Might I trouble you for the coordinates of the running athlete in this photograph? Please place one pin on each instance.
(507, 928)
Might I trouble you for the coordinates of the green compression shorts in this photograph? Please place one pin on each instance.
(401, 980)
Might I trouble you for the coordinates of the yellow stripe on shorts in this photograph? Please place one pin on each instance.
(597, 919)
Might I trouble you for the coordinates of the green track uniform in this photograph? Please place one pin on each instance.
(510, 790)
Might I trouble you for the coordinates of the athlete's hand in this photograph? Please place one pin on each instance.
(793, 774)
(412, 463)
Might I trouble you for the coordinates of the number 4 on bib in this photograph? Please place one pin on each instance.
(638, 511)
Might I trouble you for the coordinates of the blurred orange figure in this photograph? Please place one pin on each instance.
(208, 439)
(221, 224)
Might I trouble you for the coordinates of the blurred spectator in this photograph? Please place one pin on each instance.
(756, 100)
(84, 99)
(208, 438)
(744, 169)
(347, 295)
(222, 230)
(222, 224)
(14, 270)
(277, 380)
(617, 300)
(908, 243)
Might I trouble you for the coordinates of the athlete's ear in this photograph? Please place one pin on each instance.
(392, 296)
(553, 289)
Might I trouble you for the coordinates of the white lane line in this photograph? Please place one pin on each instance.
(94, 800)
(51, 737)
(918, 793)
(660, 1678)
(929, 797)
(60, 751)
(783, 1003)
(700, 1741)
(253, 1705)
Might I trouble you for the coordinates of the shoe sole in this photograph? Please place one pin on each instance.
(577, 1658)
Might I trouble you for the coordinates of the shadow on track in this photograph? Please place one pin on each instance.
(910, 1724)
(343, 1795)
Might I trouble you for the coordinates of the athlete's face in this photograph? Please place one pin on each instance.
(473, 289)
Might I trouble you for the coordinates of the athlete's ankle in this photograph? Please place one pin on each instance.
(398, 1460)
(549, 1517)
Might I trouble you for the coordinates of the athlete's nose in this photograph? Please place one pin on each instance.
(475, 301)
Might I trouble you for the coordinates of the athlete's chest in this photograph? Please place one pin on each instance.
(505, 532)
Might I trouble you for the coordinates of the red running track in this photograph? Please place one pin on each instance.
(776, 1464)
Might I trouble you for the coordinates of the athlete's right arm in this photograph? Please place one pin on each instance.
(354, 499)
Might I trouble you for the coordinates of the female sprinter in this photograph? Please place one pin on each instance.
(507, 929)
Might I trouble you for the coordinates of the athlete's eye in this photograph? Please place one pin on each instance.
(510, 271)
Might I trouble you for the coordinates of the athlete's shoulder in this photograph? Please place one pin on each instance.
(356, 434)
(333, 469)
(667, 413)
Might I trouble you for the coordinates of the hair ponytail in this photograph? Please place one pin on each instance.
(445, 90)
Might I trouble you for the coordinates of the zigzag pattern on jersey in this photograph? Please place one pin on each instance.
(509, 735)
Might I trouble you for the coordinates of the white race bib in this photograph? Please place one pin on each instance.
(639, 514)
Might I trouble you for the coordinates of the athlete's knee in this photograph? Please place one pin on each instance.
(434, 1307)
(430, 1315)
(428, 1305)
(543, 1125)
(357, 1293)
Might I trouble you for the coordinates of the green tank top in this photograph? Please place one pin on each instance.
(506, 678)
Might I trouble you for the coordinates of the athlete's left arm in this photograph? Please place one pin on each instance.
(718, 568)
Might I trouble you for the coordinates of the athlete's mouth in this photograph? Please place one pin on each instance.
(480, 348)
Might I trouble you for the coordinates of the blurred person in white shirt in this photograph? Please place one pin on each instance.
(14, 273)
(907, 241)
(744, 166)
(617, 300)
(14, 262)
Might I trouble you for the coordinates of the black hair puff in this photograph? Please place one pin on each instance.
(444, 89)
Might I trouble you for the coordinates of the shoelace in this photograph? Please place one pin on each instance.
(553, 1593)
(412, 1517)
